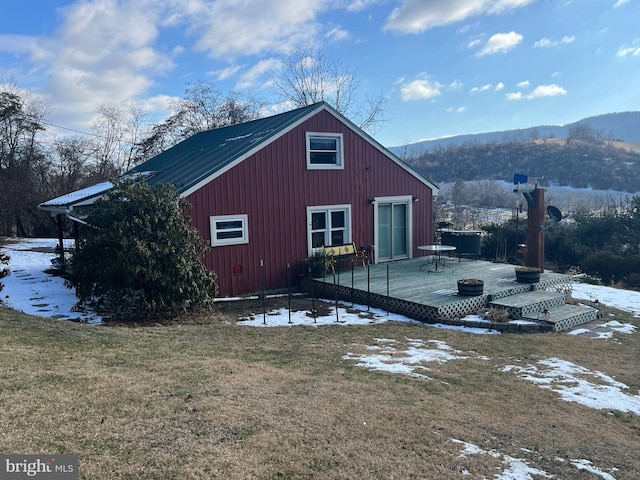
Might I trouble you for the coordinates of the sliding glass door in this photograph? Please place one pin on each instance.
(393, 230)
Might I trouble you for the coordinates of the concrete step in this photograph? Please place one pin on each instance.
(565, 316)
(522, 305)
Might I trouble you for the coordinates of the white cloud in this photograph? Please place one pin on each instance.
(483, 88)
(228, 28)
(543, 43)
(633, 50)
(109, 51)
(336, 34)
(548, 43)
(499, 86)
(103, 53)
(455, 85)
(252, 77)
(358, 5)
(500, 43)
(423, 87)
(540, 91)
(416, 16)
(552, 90)
(420, 89)
(619, 3)
(225, 73)
(523, 84)
(23, 44)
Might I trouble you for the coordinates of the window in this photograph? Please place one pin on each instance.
(328, 226)
(229, 230)
(324, 151)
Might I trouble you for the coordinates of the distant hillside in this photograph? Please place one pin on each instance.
(623, 126)
(601, 153)
(575, 163)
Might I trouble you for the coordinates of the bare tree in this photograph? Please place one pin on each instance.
(21, 117)
(306, 76)
(203, 108)
(116, 133)
(68, 170)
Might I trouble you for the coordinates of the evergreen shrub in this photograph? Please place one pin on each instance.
(139, 255)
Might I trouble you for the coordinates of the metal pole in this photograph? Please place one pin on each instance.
(289, 289)
(353, 267)
(313, 300)
(368, 286)
(264, 310)
(337, 286)
(387, 289)
(60, 228)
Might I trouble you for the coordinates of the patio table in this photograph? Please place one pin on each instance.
(437, 263)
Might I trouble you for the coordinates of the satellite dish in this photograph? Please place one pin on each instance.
(556, 217)
(554, 213)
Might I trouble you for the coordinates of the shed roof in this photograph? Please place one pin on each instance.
(63, 203)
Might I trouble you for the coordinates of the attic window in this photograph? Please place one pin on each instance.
(229, 230)
(324, 151)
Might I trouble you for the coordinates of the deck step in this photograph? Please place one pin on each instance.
(523, 305)
(566, 316)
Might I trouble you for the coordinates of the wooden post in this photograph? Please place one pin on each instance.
(535, 236)
(60, 228)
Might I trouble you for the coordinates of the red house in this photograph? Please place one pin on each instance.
(268, 192)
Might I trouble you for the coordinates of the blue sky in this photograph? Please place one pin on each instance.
(445, 67)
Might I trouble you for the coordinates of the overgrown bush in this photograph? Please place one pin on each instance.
(139, 256)
(603, 244)
(501, 242)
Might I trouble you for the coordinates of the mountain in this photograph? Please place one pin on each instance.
(624, 126)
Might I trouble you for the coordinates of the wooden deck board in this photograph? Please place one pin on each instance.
(564, 312)
(407, 282)
(401, 287)
(527, 298)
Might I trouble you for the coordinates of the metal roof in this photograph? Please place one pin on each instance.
(196, 161)
(63, 203)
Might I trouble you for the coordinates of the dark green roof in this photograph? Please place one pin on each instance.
(191, 163)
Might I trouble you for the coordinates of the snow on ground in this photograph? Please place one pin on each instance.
(625, 300)
(519, 469)
(347, 314)
(32, 291)
(28, 289)
(386, 357)
(569, 380)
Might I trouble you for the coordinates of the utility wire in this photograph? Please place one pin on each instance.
(83, 133)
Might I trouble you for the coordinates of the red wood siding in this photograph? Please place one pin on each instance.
(274, 188)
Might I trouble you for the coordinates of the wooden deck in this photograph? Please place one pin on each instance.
(403, 287)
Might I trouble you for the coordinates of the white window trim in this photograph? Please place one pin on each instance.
(328, 208)
(340, 152)
(229, 241)
(408, 200)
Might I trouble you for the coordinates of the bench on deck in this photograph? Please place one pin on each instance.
(348, 251)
